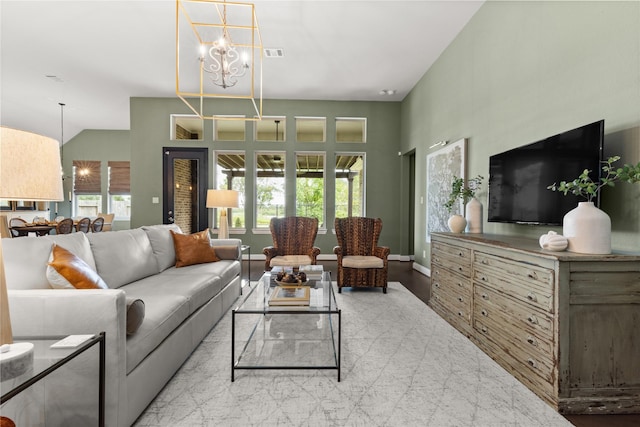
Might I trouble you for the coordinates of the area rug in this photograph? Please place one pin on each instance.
(402, 365)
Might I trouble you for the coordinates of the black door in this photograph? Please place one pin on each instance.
(184, 190)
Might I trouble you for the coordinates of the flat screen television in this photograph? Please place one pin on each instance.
(518, 178)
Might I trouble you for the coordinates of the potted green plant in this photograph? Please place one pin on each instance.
(587, 228)
(466, 193)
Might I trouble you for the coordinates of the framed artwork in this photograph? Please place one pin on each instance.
(442, 166)
(25, 206)
(5, 205)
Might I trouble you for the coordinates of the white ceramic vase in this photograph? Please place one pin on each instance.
(474, 216)
(457, 223)
(588, 229)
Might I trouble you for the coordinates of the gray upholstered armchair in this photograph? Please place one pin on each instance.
(293, 240)
(361, 262)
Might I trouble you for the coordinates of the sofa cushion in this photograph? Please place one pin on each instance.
(193, 248)
(26, 258)
(135, 314)
(123, 256)
(162, 243)
(225, 270)
(67, 271)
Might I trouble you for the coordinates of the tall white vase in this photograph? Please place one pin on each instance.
(473, 215)
(588, 229)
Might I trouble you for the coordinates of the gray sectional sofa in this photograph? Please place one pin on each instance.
(181, 306)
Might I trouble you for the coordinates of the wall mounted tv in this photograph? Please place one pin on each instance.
(518, 178)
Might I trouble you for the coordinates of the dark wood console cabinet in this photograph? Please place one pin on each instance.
(566, 325)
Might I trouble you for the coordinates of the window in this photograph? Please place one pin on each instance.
(230, 174)
(310, 186)
(186, 127)
(231, 129)
(351, 129)
(310, 129)
(270, 128)
(120, 189)
(87, 188)
(270, 187)
(350, 184)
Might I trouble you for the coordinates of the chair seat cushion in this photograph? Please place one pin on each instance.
(360, 261)
(290, 260)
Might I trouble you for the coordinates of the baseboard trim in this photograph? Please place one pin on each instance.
(422, 269)
(330, 257)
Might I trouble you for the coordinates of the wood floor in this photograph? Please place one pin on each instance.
(420, 286)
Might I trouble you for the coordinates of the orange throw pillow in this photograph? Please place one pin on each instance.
(193, 248)
(67, 271)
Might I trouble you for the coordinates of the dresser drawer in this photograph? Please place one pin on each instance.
(534, 360)
(524, 282)
(513, 315)
(453, 258)
(458, 304)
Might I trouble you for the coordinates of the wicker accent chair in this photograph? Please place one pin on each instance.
(293, 240)
(361, 262)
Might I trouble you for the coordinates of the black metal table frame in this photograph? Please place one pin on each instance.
(99, 338)
(329, 312)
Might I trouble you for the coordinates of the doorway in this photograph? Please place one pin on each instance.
(409, 205)
(184, 189)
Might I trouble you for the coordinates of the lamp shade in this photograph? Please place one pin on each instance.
(222, 199)
(30, 167)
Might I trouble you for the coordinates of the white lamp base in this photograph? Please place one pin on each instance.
(16, 361)
(223, 230)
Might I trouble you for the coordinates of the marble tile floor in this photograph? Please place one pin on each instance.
(402, 365)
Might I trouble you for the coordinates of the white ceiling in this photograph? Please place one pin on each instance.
(102, 52)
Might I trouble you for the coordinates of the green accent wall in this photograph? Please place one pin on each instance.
(150, 131)
(523, 71)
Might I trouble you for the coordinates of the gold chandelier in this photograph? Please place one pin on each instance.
(218, 55)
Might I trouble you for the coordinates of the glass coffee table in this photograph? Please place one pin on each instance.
(303, 335)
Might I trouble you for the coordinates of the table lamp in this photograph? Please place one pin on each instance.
(223, 199)
(30, 170)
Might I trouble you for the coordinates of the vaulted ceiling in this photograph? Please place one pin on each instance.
(93, 55)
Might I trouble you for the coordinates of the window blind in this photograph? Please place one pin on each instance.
(87, 179)
(119, 178)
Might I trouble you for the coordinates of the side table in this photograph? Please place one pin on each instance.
(47, 360)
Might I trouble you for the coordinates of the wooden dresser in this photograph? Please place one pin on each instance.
(566, 325)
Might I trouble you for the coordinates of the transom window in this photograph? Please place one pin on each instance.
(351, 129)
(271, 128)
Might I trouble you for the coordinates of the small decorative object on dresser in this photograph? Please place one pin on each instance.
(459, 191)
(553, 241)
(587, 228)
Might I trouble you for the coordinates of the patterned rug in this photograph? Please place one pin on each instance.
(402, 365)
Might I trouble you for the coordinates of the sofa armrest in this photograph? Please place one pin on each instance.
(61, 312)
(228, 242)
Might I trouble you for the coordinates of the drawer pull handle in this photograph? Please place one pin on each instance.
(460, 313)
(533, 319)
(532, 297)
(532, 276)
(484, 296)
(484, 313)
(485, 262)
(484, 329)
(460, 299)
(460, 254)
(532, 341)
(483, 278)
(532, 363)
(460, 284)
(436, 284)
(460, 269)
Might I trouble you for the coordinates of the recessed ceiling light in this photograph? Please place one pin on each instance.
(388, 92)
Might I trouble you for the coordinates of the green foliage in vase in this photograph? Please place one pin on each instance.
(583, 186)
(460, 191)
